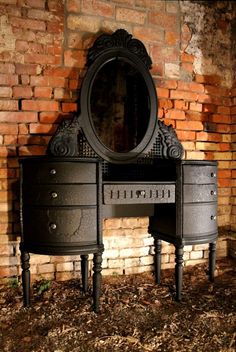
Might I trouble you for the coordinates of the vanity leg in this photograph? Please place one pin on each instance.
(157, 259)
(179, 270)
(97, 278)
(84, 272)
(25, 264)
(212, 260)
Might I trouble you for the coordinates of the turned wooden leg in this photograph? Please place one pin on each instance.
(97, 278)
(157, 259)
(25, 264)
(84, 272)
(179, 270)
(212, 260)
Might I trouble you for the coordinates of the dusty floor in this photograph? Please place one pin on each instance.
(136, 315)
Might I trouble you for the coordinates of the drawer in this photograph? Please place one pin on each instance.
(199, 174)
(60, 195)
(138, 193)
(59, 172)
(59, 225)
(199, 219)
(200, 193)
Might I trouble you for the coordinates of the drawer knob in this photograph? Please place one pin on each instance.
(213, 193)
(213, 217)
(141, 193)
(53, 226)
(53, 172)
(54, 195)
(213, 174)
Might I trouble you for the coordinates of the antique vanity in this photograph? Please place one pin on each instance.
(115, 159)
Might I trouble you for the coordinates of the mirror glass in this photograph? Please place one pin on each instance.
(119, 106)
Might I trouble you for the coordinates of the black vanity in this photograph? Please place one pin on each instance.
(115, 159)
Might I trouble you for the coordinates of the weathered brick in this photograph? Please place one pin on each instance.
(175, 114)
(22, 92)
(7, 67)
(130, 15)
(186, 135)
(10, 105)
(32, 150)
(8, 79)
(98, 8)
(189, 125)
(171, 38)
(74, 58)
(27, 23)
(42, 128)
(43, 92)
(69, 107)
(18, 116)
(8, 128)
(178, 94)
(148, 35)
(40, 105)
(167, 21)
(162, 92)
(83, 23)
(5, 92)
(172, 70)
(181, 104)
(195, 107)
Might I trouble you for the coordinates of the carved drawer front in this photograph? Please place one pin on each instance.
(138, 193)
(200, 174)
(60, 195)
(200, 193)
(60, 225)
(199, 219)
(59, 172)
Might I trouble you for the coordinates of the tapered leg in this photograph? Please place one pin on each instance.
(157, 259)
(97, 278)
(212, 260)
(25, 264)
(84, 272)
(179, 270)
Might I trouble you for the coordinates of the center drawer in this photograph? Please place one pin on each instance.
(200, 193)
(60, 195)
(138, 193)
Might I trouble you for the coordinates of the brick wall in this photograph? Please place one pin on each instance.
(43, 48)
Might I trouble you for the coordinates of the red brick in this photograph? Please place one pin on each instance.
(22, 45)
(169, 83)
(32, 150)
(225, 110)
(19, 116)
(181, 104)
(54, 27)
(43, 15)
(42, 128)
(189, 125)
(233, 110)
(157, 69)
(61, 94)
(10, 105)
(223, 128)
(74, 58)
(27, 23)
(130, 15)
(221, 118)
(40, 81)
(233, 173)
(191, 86)
(25, 79)
(224, 173)
(62, 72)
(209, 108)
(69, 107)
(5, 92)
(209, 79)
(169, 122)
(23, 128)
(43, 92)
(205, 136)
(165, 103)
(167, 21)
(160, 113)
(205, 98)
(98, 8)
(225, 147)
(219, 91)
(187, 66)
(171, 38)
(224, 182)
(22, 92)
(187, 57)
(197, 116)
(49, 117)
(35, 3)
(162, 92)
(41, 59)
(7, 151)
(40, 105)
(8, 79)
(195, 107)
(178, 94)
(7, 68)
(175, 114)
(8, 128)
(73, 6)
(10, 140)
(186, 135)
(58, 82)
(149, 35)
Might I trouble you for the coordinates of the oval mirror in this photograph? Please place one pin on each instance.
(120, 106)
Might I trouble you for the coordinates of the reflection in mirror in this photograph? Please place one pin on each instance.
(120, 106)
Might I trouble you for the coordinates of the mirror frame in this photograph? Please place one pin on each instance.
(106, 48)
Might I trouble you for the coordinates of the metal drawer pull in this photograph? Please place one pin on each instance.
(141, 193)
(53, 172)
(213, 217)
(213, 193)
(53, 226)
(213, 174)
(54, 194)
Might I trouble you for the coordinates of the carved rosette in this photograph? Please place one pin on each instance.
(119, 39)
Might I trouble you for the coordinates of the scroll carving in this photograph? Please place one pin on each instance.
(119, 39)
(170, 147)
